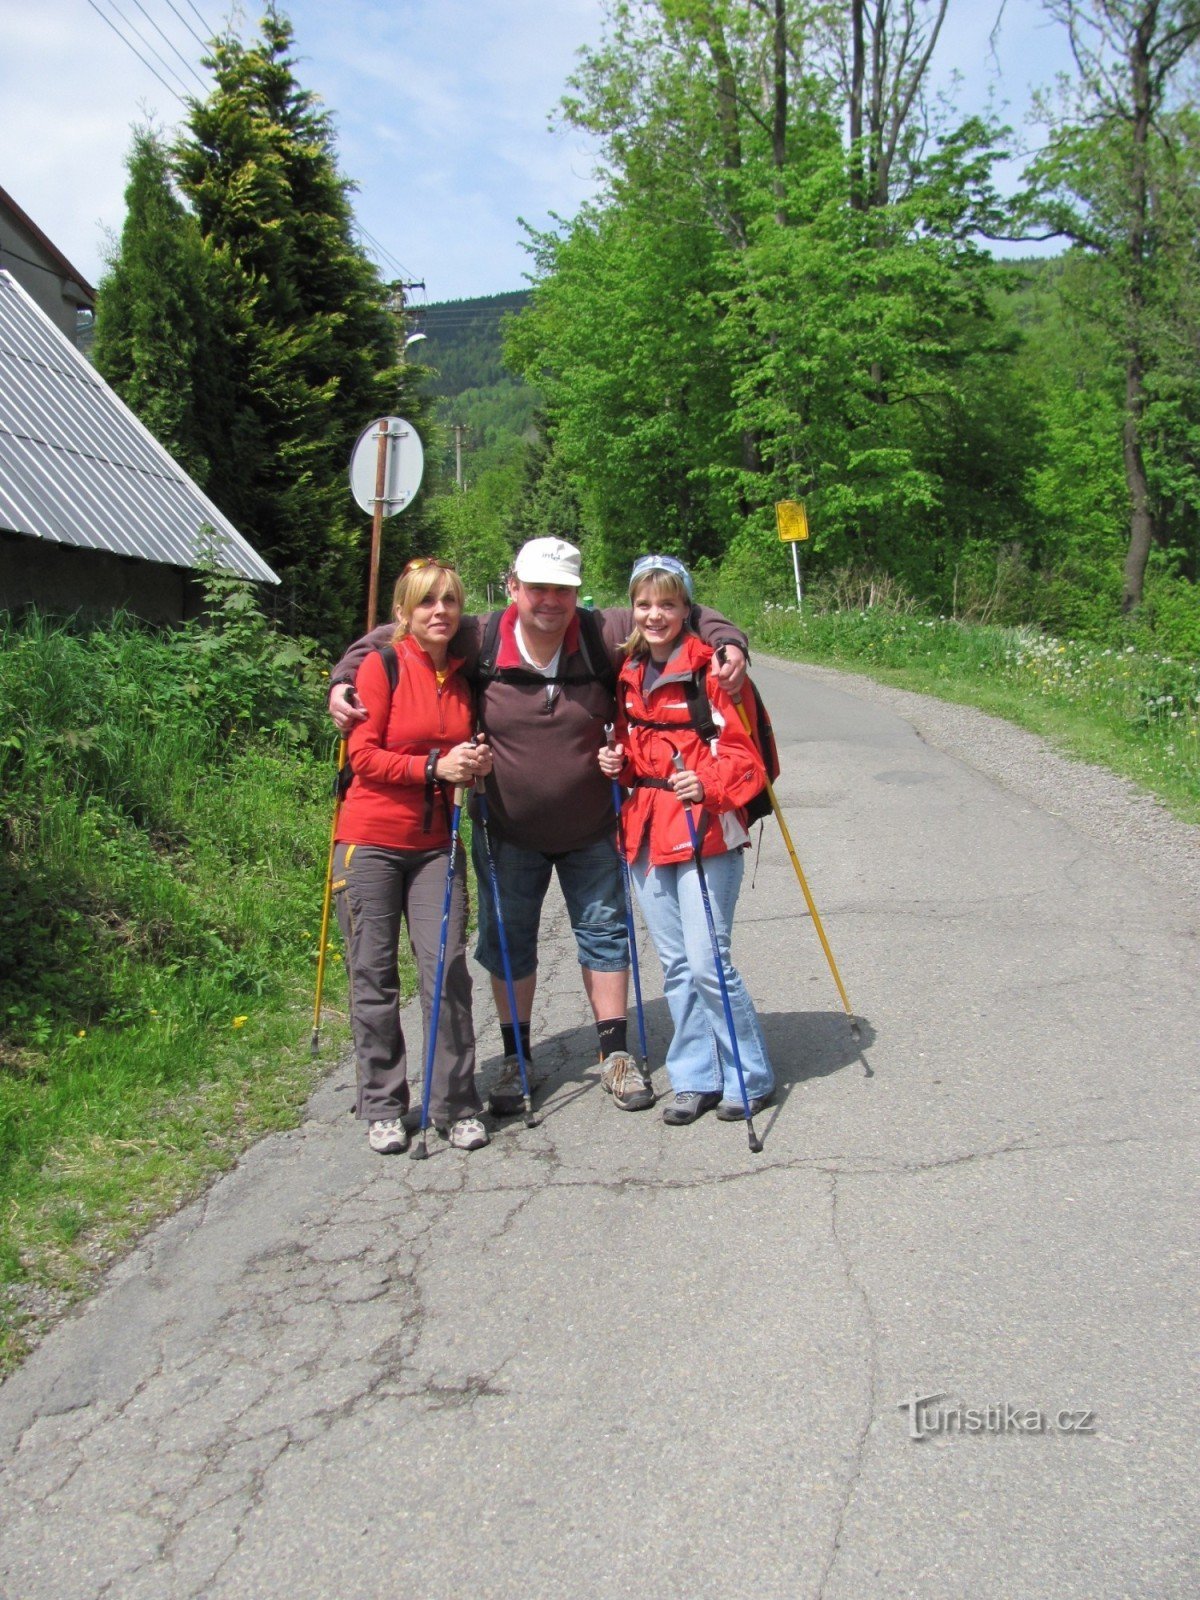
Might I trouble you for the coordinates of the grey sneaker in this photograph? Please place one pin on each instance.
(506, 1099)
(468, 1133)
(387, 1138)
(735, 1111)
(621, 1077)
(686, 1106)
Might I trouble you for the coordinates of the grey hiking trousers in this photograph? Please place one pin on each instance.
(374, 888)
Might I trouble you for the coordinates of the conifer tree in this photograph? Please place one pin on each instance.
(243, 323)
(312, 341)
(157, 338)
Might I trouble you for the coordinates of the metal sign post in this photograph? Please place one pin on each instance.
(791, 519)
(386, 467)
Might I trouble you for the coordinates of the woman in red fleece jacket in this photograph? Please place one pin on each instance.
(393, 836)
(719, 779)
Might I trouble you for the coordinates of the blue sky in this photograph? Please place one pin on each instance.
(442, 109)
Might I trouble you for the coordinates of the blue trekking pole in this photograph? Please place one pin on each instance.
(481, 796)
(610, 735)
(420, 1151)
(755, 1141)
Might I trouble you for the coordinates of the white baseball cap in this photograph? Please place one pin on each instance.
(548, 561)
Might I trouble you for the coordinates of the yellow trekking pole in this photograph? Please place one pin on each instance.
(327, 902)
(803, 882)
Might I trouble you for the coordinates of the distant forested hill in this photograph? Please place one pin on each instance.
(463, 352)
(463, 341)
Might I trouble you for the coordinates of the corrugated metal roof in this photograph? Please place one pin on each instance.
(78, 468)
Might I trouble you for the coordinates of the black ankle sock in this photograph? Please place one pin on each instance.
(612, 1035)
(509, 1034)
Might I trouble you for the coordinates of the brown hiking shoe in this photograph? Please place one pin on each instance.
(506, 1099)
(621, 1077)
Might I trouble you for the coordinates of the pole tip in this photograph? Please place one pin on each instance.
(419, 1152)
(314, 1045)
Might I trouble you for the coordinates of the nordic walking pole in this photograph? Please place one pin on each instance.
(611, 737)
(493, 877)
(802, 880)
(421, 1151)
(327, 899)
(381, 462)
(755, 1141)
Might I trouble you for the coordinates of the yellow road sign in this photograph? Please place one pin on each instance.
(792, 520)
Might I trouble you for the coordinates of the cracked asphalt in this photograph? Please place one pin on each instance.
(605, 1357)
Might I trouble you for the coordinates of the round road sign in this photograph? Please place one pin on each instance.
(403, 471)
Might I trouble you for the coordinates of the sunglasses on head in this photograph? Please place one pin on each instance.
(418, 563)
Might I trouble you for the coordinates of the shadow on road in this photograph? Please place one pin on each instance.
(801, 1045)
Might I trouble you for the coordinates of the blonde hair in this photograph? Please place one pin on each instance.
(417, 583)
(663, 585)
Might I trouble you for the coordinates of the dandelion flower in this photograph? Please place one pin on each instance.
(239, 1022)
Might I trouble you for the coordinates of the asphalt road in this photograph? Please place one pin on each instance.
(605, 1357)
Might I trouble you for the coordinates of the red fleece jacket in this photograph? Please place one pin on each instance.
(386, 801)
(732, 773)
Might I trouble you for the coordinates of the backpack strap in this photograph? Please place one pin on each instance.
(486, 665)
(391, 666)
(699, 717)
(594, 650)
(597, 663)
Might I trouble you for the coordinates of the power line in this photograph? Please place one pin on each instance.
(136, 52)
(129, 23)
(211, 32)
(384, 255)
(170, 44)
(203, 43)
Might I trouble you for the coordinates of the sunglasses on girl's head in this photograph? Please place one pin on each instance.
(419, 562)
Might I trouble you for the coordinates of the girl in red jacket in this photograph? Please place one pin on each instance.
(390, 861)
(719, 779)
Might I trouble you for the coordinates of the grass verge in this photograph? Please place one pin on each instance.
(163, 838)
(1124, 707)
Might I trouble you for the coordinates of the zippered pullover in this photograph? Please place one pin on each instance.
(386, 803)
(732, 774)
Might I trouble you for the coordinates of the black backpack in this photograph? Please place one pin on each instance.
(597, 663)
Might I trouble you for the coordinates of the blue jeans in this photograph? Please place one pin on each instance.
(700, 1059)
(590, 879)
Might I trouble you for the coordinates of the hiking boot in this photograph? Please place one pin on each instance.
(388, 1138)
(621, 1077)
(468, 1133)
(735, 1111)
(687, 1105)
(506, 1099)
